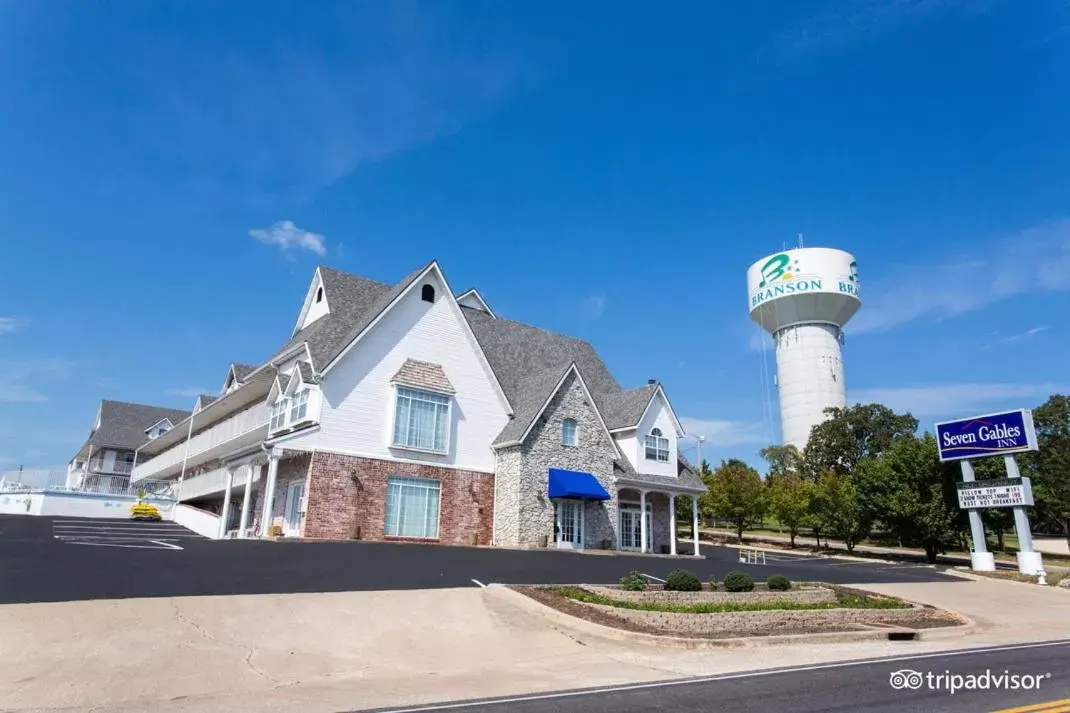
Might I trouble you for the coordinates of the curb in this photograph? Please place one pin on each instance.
(573, 626)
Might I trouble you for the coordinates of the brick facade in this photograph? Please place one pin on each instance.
(348, 493)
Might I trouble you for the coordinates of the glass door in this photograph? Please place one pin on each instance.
(631, 528)
(568, 524)
(294, 494)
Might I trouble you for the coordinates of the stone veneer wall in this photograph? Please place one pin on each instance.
(523, 518)
(349, 492)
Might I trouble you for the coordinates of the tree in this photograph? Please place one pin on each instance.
(1049, 467)
(790, 499)
(837, 507)
(783, 461)
(852, 434)
(908, 489)
(736, 493)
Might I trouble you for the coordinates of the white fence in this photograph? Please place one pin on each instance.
(73, 504)
(55, 481)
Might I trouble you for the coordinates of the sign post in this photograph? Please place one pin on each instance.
(984, 436)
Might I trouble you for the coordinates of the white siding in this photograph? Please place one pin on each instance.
(358, 398)
(629, 445)
(657, 416)
(315, 309)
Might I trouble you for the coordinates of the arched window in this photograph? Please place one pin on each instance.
(428, 293)
(319, 294)
(657, 446)
(569, 436)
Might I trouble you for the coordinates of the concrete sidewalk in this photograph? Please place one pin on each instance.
(321, 653)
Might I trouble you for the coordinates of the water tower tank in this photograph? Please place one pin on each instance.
(803, 298)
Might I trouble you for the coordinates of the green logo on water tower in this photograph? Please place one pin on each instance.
(778, 267)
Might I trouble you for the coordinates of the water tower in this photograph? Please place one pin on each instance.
(803, 298)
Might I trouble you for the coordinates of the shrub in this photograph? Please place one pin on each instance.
(714, 584)
(681, 580)
(633, 582)
(778, 583)
(738, 582)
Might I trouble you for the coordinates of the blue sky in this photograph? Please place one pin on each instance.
(171, 173)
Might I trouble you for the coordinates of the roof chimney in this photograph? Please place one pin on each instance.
(651, 381)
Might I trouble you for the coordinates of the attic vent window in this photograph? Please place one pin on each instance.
(427, 294)
(319, 295)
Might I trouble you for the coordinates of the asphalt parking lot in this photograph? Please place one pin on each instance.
(46, 559)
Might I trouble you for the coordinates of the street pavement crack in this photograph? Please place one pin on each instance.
(208, 636)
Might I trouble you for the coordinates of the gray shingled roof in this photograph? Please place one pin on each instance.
(305, 370)
(354, 302)
(686, 478)
(243, 370)
(529, 362)
(423, 375)
(284, 381)
(123, 425)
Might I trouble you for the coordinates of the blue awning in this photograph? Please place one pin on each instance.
(574, 484)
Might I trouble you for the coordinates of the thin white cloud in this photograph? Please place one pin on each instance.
(288, 117)
(190, 391)
(593, 307)
(956, 399)
(288, 237)
(1022, 336)
(12, 324)
(19, 378)
(1033, 261)
(721, 432)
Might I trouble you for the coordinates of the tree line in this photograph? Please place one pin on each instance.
(867, 470)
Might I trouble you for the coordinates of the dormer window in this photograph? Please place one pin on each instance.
(278, 413)
(299, 406)
(319, 294)
(657, 446)
(427, 293)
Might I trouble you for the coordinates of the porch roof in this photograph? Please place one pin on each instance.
(686, 482)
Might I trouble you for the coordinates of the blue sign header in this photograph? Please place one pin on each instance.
(994, 434)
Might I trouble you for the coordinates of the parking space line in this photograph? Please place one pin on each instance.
(117, 544)
(168, 545)
(479, 583)
(650, 576)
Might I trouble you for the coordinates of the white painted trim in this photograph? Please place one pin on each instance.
(675, 421)
(456, 311)
(162, 420)
(317, 279)
(283, 438)
(475, 293)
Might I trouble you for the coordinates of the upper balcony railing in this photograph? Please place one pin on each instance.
(219, 439)
(99, 465)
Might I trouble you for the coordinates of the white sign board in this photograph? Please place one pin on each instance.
(996, 493)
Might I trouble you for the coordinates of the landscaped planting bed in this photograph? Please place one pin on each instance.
(712, 613)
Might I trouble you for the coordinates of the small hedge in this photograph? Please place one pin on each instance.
(778, 583)
(634, 581)
(681, 580)
(737, 581)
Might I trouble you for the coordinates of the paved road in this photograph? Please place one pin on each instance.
(38, 567)
(849, 686)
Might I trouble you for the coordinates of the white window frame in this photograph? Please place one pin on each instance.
(299, 402)
(410, 481)
(575, 440)
(653, 442)
(435, 397)
(279, 411)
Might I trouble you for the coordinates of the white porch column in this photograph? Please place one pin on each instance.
(642, 521)
(269, 492)
(226, 504)
(246, 497)
(672, 523)
(694, 521)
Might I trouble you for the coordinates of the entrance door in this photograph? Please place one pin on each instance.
(631, 528)
(292, 525)
(568, 518)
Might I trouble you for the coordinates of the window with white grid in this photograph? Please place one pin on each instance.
(568, 432)
(412, 507)
(421, 420)
(278, 414)
(657, 446)
(299, 406)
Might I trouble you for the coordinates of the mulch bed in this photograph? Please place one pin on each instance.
(929, 619)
